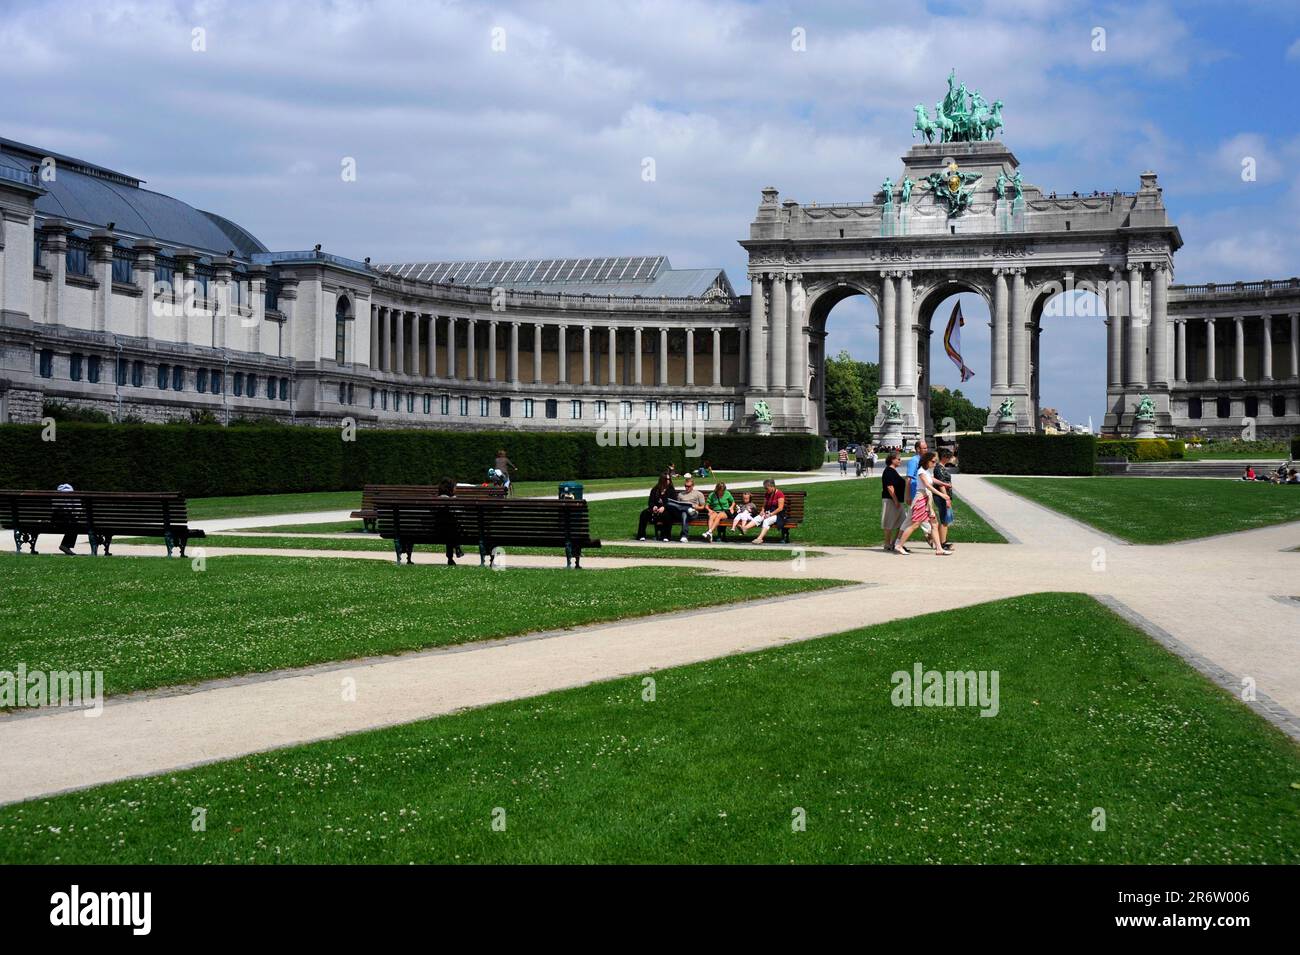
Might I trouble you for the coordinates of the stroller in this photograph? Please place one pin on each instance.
(498, 478)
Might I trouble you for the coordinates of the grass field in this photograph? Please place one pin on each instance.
(428, 553)
(1161, 510)
(255, 505)
(844, 512)
(1092, 716)
(149, 623)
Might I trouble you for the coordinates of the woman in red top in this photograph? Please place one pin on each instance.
(773, 512)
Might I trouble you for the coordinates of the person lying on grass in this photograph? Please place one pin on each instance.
(721, 506)
(773, 512)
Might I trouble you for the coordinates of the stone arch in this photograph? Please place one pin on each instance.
(822, 297)
(928, 299)
(1083, 294)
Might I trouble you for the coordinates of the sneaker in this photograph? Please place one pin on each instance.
(683, 539)
(641, 537)
(708, 536)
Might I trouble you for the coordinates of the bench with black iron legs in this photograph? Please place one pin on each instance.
(99, 515)
(414, 492)
(793, 517)
(489, 523)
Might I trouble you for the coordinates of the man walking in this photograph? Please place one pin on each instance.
(844, 462)
(914, 465)
(944, 506)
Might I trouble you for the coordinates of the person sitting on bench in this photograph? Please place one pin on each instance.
(721, 507)
(66, 512)
(656, 510)
(773, 512)
(691, 503)
(447, 488)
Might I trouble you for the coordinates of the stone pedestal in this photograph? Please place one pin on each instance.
(891, 434)
(1006, 426)
(1144, 427)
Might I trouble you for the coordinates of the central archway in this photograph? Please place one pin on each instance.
(825, 338)
(937, 302)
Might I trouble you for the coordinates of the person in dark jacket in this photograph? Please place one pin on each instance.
(447, 488)
(658, 511)
(67, 513)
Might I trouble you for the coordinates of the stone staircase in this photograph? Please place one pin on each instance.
(1210, 469)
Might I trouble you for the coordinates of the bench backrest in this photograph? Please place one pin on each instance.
(422, 492)
(794, 501)
(489, 521)
(102, 510)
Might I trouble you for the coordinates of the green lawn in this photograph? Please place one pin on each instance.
(255, 505)
(427, 553)
(1092, 716)
(149, 623)
(1161, 510)
(843, 512)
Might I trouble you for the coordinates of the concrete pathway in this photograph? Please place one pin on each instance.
(1216, 602)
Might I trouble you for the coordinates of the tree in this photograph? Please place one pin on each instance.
(848, 416)
(953, 404)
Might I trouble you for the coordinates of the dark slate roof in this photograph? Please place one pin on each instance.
(93, 196)
(646, 275)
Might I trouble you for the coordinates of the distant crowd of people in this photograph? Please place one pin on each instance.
(1283, 475)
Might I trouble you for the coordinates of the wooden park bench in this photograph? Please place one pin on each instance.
(489, 522)
(414, 492)
(794, 501)
(100, 515)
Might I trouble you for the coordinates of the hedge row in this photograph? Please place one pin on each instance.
(1073, 454)
(215, 461)
(1145, 449)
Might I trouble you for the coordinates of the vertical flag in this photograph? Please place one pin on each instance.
(952, 342)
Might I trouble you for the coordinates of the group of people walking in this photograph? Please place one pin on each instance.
(921, 499)
(668, 506)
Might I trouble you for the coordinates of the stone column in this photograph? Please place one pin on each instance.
(1019, 332)
(690, 357)
(512, 364)
(385, 335)
(906, 372)
(888, 334)
(1267, 353)
(717, 357)
(1180, 352)
(1295, 345)
(146, 263)
(586, 354)
(743, 368)
(1159, 326)
(375, 312)
(471, 356)
(1135, 332)
(451, 346)
(663, 357)
(796, 363)
(636, 355)
(101, 268)
(1209, 350)
(492, 350)
(1239, 355)
(1114, 334)
(757, 365)
(613, 355)
(562, 356)
(400, 366)
(537, 352)
(778, 334)
(998, 331)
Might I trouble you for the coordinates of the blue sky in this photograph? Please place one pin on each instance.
(463, 150)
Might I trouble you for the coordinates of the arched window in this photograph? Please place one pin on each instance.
(342, 312)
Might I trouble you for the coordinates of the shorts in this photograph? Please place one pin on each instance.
(944, 511)
(892, 515)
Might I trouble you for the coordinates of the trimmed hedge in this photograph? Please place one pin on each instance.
(1146, 449)
(206, 461)
(1069, 454)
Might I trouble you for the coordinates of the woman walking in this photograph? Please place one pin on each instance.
(923, 507)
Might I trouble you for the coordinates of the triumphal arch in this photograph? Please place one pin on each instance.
(959, 216)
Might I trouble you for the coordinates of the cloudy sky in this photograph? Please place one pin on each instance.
(509, 130)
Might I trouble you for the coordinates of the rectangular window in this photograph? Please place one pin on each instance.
(239, 384)
(444, 404)
(137, 374)
(1252, 407)
(74, 366)
(625, 410)
(164, 271)
(428, 404)
(374, 398)
(575, 409)
(728, 411)
(251, 386)
(463, 403)
(164, 377)
(504, 409)
(651, 410)
(123, 266)
(352, 395)
(46, 361)
(702, 412)
(201, 380)
(121, 371)
(528, 407)
(410, 402)
(1223, 408)
(602, 410)
(484, 407)
(270, 387)
(92, 369)
(77, 258)
(217, 382)
(1279, 406)
(552, 408)
(284, 389)
(178, 378)
(677, 410)
(383, 397)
